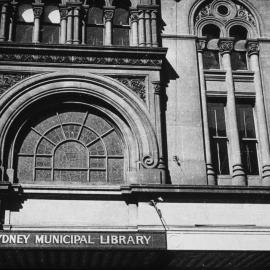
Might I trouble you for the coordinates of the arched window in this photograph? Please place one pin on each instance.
(238, 32)
(121, 27)
(95, 25)
(24, 24)
(50, 27)
(211, 31)
(71, 146)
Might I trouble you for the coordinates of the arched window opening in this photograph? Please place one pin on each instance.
(24, 24)
(238, 32)
(121, 27)
(211, 31)
(75, 146)
(95, 25)
(50, 27)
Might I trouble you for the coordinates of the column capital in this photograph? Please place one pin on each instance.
(63, 12)
(226, 45)
(108, 13)
(157, 87)
(37, 9)
(201, 44)
(253, 47)
(134, 15)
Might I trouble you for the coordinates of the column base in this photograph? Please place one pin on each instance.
(266, 175)
(239, 176)
(211, 176)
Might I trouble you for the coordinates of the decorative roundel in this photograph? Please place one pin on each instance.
(224, 10)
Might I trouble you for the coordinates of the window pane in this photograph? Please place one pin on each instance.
(239, 61)
(121, 17)
(25, 13)
(50, 34)
(51, 15)
(245, 121)
(23, 33)
(121, 36)
(216, 119)
(210, 60)
(94, 35)
(249, 157)
(95, 16)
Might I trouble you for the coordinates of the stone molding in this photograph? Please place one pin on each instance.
(253, 47)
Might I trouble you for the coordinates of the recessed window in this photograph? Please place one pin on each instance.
(223, 10)
(50, 27)
(239, 60)
(211, 31)
(24, 24)
(218, 138)
(211, 59)
(238, 32)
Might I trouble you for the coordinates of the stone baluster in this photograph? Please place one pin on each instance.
(211, 176)
(3, 26)
(63, 24)
(141, 29)
(253, 53)
(38, 10)
(154, 28)
(69, 25)
(108, 16)
(76, 28)
(134, 27)
(238, 174)
(13, 12)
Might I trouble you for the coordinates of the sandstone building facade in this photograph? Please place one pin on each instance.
(134, 134)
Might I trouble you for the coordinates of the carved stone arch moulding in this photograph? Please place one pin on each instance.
(123, 110)
(225, 11)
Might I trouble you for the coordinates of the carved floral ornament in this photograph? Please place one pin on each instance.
(224, 11)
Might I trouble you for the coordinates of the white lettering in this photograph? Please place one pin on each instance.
(130, 240)
(147, 239)
(104, 241)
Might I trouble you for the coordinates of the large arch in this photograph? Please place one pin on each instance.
(105, 94)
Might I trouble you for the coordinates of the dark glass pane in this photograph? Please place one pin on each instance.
(245, 121)
(211, 31)
(239, 61)
(216, 119)
(210, 60)
(121, 17)
(23, 33)
(94, 35)
(95, 15)
(121, 36)
(50, 34)
(238, 32)
(219, 153)
(249, 157)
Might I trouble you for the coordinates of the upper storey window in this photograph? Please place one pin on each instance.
(95, 26)
(121, 27)
(50, 28)
(25, 24)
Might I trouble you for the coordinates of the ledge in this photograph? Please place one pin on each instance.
(82, 55)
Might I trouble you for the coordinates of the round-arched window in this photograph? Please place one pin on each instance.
(71, 146)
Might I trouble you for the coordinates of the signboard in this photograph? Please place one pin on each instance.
(87, 240)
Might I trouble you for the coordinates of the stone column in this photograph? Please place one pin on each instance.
(134, 27)
(108, 16)
(4, 11)
(69, 25)
(154, 28)
(211, 176)
(12, 17)
(148, 34)
(253, 53)
(158, 125)
(141, 29)
(76, 25)
(37, 9)
(84, 22)
(63, 29)
(239, 178)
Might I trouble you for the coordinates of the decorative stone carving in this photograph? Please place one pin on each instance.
(137, 85)
(63, 13)
(79, 59)
(108, 14)
(225, 46)
(234, 10)
(253, 47)
(37, 11)
(149, 162)
(134, 16)
(8, 80)
(157, 87)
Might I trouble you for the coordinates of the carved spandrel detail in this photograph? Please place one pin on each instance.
(8, 80)
(137, 85)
